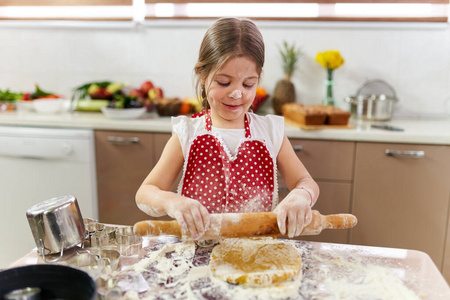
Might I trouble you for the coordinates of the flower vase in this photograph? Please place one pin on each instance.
(328, 98)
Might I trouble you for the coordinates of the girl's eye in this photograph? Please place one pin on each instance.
(223, 83)
(249, 85)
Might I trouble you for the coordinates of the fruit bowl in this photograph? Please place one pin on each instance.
(123, 113)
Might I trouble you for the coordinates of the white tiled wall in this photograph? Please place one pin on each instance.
(414, 58)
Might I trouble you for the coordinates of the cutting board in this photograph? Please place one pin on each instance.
(316, 127)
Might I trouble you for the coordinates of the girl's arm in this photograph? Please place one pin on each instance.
(296, 207)
(154, 196)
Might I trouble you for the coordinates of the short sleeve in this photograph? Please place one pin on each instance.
(186, 128)
(180, 127)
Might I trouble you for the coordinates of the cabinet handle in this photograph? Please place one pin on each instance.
(405, 153)
(119, 140)
(297, 148)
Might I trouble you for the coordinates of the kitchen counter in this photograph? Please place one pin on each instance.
(166, 268)
(416, 130)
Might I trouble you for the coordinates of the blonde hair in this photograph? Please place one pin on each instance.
(227, 38)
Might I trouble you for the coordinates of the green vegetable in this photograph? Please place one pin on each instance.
(40, 93)
(9, 96)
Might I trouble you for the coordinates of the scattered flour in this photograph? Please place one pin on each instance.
(181, 271)
(350, 277)
(151, 210)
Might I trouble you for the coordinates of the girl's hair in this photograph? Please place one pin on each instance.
(227, 38)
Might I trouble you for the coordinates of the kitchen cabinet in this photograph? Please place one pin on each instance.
(123, 160)
(400, 199)
(330, 163)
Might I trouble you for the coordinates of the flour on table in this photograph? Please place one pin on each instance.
(350, 277)
(180, 270)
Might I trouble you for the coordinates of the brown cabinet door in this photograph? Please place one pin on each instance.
(329, 160)
(402, 201)
(334, 198)
(123, 161)
(330, 163)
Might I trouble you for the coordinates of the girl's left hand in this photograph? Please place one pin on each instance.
(296, 210)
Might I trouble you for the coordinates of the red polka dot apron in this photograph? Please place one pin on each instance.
(224, 183)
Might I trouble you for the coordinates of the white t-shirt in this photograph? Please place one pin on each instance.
(269, 128)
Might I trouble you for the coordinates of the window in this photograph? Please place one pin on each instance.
(302, 10)
(320, 10)
(89, 10)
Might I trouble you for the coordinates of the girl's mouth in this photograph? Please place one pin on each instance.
(231, 107)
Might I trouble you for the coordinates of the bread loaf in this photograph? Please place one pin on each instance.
(335, 116)
(303, 114)
(315, 114)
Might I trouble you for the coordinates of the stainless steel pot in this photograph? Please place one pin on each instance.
(374, 101)
(57, 225)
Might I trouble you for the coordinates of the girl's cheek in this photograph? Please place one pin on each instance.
(250, 96)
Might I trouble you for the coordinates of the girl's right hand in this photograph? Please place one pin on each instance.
(190, 214)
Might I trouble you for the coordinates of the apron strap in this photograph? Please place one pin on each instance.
(208, 124)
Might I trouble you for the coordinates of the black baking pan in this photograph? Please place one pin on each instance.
(55, 282)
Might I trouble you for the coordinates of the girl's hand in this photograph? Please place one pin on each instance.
(190, 214)
(296, 210)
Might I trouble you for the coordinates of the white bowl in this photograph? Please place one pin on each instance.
(123, 113)
(26, 106)
(50, 106)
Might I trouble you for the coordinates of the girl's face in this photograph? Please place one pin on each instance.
(231, 92)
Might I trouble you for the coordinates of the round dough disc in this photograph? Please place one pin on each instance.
(255, 262)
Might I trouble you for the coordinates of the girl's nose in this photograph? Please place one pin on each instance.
(236, 94)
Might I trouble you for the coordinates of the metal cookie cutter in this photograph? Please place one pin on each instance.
(88, 262)
(92, 227)
(111, 259)
(103, 238)
(129, 243)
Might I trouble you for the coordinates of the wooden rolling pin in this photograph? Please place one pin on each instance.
(236, 225)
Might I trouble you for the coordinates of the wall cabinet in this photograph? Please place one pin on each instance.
(400, 199)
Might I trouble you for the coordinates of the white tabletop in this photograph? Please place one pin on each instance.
(330, 271)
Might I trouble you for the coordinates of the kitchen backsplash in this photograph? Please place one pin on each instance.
(413, 58)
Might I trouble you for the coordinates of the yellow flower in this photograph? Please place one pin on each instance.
(330, 59)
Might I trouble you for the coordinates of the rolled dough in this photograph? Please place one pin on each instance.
(255, 262)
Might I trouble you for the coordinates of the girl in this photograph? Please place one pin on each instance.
(229, 156)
